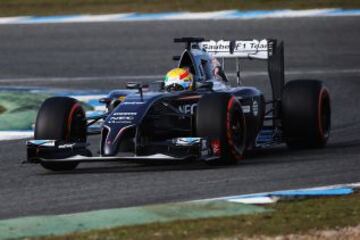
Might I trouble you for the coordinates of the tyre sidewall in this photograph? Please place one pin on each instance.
(302, 104)
(214, 114)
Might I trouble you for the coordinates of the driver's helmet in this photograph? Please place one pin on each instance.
(178, 79)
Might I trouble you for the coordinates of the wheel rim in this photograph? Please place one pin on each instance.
(235, 128)
(76, 121)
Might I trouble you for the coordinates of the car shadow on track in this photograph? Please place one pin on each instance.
(128, 168)
(278, 155)
(283, 154)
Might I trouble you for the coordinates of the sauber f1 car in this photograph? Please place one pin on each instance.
(212, 121)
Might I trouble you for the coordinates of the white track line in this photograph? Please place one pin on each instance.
(15, 135)
(70, 79)
(157, 77)
(266, 198)
(175, 16)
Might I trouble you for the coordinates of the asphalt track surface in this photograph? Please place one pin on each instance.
(57, 55)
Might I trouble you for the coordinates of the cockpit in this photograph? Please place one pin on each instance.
(201, 66)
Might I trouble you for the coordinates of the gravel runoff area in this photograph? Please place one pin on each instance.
(333, 234)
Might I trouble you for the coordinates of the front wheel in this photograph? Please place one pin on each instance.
(219, 118)
(61, 118)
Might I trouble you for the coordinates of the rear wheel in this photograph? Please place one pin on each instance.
(61, 118)
(219, 118)
(306, 114)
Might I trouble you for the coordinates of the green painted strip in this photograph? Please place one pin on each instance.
(19, 109)
(63, 224)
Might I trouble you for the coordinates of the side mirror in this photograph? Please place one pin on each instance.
(105, 100)
(133, 85)
(157, 85)
(138, 86)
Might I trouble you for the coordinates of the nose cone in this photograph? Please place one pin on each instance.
(112, 139)
(109, 148)
(109, 143)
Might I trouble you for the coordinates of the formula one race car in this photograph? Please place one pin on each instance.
(211, 121)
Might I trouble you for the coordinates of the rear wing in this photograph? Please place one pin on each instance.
(252, 49)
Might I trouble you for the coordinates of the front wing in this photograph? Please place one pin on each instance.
(178, 149)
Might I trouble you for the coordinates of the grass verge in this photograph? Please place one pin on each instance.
(60, 7)
(292, 217)
(18, 109)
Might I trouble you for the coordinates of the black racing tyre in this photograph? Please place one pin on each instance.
(61, 118)
(219, 117)
(306, 114)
